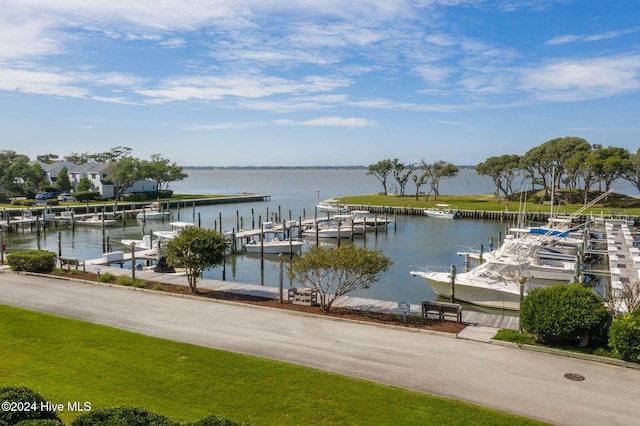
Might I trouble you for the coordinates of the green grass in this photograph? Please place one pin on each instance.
(490, 203)
(70, 360)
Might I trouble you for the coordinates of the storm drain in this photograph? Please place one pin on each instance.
(575, 377)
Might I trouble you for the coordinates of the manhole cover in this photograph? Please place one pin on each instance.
(573, 376)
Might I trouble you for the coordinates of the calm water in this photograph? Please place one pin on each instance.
(413, 242)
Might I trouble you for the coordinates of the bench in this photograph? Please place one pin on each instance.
(71, 261)
(303, 296)
(443, 310)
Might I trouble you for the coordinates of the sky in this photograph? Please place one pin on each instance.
(317, 82)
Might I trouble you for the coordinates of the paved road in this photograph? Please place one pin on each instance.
(512, 380)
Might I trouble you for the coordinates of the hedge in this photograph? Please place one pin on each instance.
(32, 261)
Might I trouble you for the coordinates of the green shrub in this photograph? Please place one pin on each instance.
(134, 196)
(127, 281)
(624, 336)
(107, 278)
(164, 193)
(86, 195)
(32, 261)
(4, 198)
(563, 314)
(122, 416)
(215, 421)
(53, 202)
(23, 202)
(40, 422)
(17, 394)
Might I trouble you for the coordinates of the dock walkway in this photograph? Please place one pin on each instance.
(350, 302)
(624, 264)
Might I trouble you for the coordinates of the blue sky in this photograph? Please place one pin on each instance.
(318, 82)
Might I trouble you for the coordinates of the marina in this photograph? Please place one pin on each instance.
(411, 239)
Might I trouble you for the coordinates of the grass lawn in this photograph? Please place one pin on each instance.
(70, 360)
(614, 202)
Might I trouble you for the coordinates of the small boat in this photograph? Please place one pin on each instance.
(330, 206)
(144, 244)
(444, 211)
(176, 229)
(152, 213)
(94, 220)
(329, 228)
(274, 246)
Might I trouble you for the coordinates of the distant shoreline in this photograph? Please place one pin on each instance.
(287, 167)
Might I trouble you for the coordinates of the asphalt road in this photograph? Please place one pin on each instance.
(513, 380)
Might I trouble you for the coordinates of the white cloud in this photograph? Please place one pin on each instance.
(328, 122)
(573, 38)
(580, 79)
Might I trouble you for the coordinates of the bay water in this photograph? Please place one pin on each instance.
(411, 242)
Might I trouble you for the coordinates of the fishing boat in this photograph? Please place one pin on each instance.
(330, 206)
(176, 229)
(443, 211)
(153, 212)
(274, 246)
(94, 220)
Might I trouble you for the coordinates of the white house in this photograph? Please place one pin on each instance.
(97, 175)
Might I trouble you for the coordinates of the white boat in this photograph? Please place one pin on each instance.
(176, 229)
(444, 211)
(480, 286)
(94, 220)
(274, 246)
(330, 206)
(152, 214)
(144, 244)
(329, 228)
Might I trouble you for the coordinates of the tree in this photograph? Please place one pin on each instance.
(401, 173)
(161, 171)
(196, 249)
(14, 172)
(336, 271)
(502, 170)
(381, 171)
(611, 163)
(632, 174)
(418, 181)
(47, 158)
(123, 173)
(548, 160)
(434, 172)
(63, 183)
(35, 178)
(563, 314)
(84, 184)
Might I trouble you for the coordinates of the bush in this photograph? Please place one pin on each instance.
(4, 198)
(215, 421)
(624, 336)
(32, 261)
(165, 193)
(23, 202)
(53, 203)
(86, 195)
(107, 278)
(563, 314)
(122, 416)
(27, 396)
(127, 281)
(134, 196)
(40, 422)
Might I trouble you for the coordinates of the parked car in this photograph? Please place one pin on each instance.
(43, 196)
(66, 197)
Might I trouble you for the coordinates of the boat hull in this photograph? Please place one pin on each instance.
(269, 247)
(465, 290)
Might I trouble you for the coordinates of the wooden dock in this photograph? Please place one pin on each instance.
(359, 303)
(624, 265)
